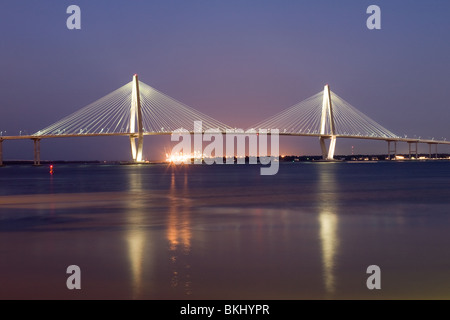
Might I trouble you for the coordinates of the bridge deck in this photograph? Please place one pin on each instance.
(38, 137)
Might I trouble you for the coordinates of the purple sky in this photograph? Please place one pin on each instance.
(237, 61)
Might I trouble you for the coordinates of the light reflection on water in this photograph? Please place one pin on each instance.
(179, 236)
(138, 246)
(211, 232)
(328, 221)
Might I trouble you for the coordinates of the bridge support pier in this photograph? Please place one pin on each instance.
(1, 152)
(390, 150)
(37, 152)
(435, 150)
(332, 148)
(136, 150)
(410, 150)
(323, 147)
(328, 154)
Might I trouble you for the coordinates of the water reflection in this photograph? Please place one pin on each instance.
(136, 242)
(136, 236)
(179, 235)
(328, 222)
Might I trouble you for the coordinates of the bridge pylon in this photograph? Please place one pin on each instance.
(136, 130)
(327, 133)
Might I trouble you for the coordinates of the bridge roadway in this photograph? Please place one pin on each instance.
(37, 138)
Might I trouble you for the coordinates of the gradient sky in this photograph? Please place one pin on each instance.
(237, 61)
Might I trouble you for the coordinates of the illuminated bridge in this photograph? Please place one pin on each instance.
(136, 110)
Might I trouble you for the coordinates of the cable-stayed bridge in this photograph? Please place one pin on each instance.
(136, 110)
(328, 116)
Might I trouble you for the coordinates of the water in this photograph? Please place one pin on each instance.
(226, 232)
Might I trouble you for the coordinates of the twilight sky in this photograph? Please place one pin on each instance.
(237, 61)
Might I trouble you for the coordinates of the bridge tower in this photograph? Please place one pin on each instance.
(327, 114)
(136, 130)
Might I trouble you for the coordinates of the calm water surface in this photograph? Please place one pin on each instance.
(225, 232)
